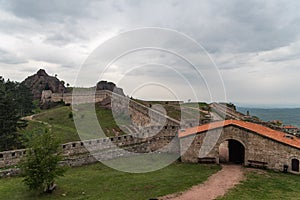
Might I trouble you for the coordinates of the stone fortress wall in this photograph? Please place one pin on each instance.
(139, 141)
(78, 153)
(139, 112)
(87, 96)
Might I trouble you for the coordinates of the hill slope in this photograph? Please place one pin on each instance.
(60, 120)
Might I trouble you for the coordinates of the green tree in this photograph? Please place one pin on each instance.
(62, 82)
(24, 99)
(15, 102)
(9, 137)
(41, 166)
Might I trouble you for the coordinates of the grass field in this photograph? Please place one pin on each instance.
(266, 185)
(62, 124)
(100, 182)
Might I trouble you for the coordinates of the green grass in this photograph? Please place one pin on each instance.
(100, 182)
(107, 122)
(266, 185)
(62, 123)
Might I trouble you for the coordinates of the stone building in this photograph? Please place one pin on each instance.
(291, 129)
(240, 142)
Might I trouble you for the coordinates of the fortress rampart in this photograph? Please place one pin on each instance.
(80, 153)
(88, 96)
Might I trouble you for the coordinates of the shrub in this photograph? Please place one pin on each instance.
(41, 164)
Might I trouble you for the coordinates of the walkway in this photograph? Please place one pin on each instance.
(216, 185)
(31, 118)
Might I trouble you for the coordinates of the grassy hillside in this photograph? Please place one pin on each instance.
(60, 120)
(266, 185)
(100, 182)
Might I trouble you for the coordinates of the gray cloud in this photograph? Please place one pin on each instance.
(243, 37)
(10, 58)
(53, 10)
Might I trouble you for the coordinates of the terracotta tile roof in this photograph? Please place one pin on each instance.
(257, 128)
(290, 127)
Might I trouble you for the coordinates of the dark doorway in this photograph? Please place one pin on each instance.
(295, 165)
(236, 152)
(231, 151)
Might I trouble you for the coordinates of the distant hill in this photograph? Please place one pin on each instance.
(42, 81)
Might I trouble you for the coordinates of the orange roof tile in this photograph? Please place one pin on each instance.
(257, 128)
(290, 127)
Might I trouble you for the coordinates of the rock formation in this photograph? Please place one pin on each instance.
(42, 81)
(104, 85)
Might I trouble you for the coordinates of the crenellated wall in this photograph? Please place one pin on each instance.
(79, 152)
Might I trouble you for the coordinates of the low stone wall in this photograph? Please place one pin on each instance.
(9, 172)
(11, 158)
(79, 152)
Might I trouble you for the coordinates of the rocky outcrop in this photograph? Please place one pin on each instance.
(42, 81)
(104, 85)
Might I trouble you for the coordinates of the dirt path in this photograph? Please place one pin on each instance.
(216, 185)
(31, 118)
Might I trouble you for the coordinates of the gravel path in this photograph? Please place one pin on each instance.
(216, 185)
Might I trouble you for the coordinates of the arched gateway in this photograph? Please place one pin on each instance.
(232, 151)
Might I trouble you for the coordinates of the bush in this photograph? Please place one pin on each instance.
(41, 164)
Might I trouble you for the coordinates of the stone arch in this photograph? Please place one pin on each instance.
(232, 150)
(232, 138)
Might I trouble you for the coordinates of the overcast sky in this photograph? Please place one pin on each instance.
(254, 44)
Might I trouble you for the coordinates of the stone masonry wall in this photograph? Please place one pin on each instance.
(139, 113)
(81, 97)
(257, 147)
(76, 153)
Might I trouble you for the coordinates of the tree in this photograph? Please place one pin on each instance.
(41, 164)
(24, 99)
(15, 102)
(62, 82)
(8, 119)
